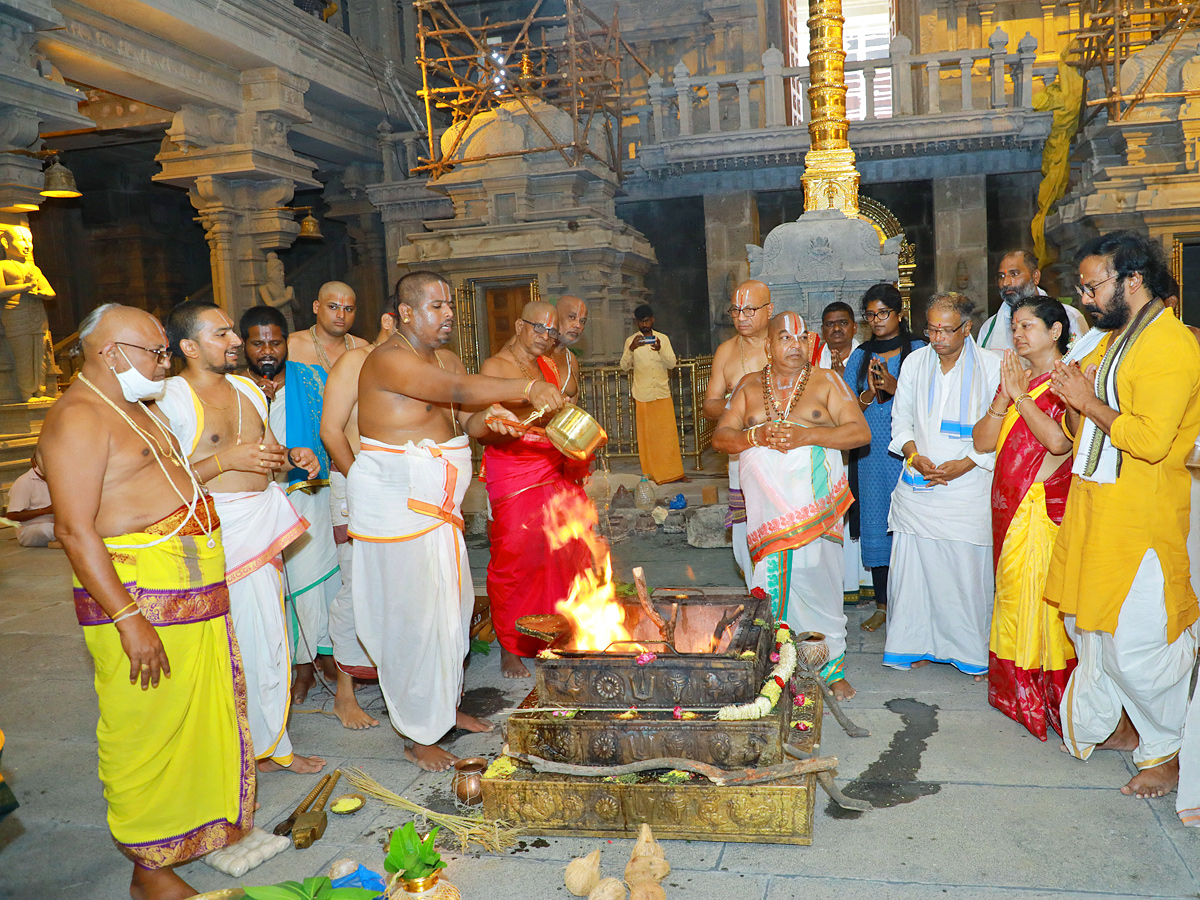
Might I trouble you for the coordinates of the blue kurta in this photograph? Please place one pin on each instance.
(878, 471)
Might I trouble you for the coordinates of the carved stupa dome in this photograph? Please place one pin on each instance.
(509, 127)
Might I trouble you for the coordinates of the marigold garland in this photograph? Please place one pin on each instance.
(772, 690)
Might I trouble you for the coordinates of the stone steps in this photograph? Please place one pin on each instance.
(20, 427)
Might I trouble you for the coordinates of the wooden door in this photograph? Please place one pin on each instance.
(504, 305)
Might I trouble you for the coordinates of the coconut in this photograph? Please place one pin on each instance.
(583, 874)
(608, 889)
(647, 890)
(646, 845)
(646, 868)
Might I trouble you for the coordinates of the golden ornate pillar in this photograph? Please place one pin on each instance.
(830, 178)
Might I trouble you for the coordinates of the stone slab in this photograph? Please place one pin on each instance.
(706, 527)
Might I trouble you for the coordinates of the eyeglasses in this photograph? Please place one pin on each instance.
(936, 332)
(1089, 290)
(880, 316)
(745, 312)
(162, 357)
(539, 328)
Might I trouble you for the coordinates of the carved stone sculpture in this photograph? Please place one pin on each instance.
(276, 293)
(23, 292)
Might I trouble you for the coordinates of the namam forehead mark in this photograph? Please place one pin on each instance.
(752, 293)
(789, 323)
(539, 311)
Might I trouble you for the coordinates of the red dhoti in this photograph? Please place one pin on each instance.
(525, 576)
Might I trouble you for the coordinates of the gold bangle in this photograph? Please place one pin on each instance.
(123, 608)
(908, 459)
(996, 415)
(1017, 403)
(528, 388)
(217, 457)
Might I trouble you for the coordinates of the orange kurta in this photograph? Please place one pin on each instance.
(1107, 528)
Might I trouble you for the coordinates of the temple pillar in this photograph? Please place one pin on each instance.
(33, 99)
(241, 174)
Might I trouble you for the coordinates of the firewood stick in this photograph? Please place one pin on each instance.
(714, 774)
(726, 620)
(825, 779)
(639, 582)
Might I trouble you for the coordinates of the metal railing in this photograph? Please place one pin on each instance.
(605, 393)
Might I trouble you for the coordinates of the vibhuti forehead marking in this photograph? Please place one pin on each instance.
(793, 324)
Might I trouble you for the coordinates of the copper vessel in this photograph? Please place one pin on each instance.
(467, 782)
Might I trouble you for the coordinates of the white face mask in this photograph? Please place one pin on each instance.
(135, 386)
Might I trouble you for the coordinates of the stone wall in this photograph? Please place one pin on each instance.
(961, 235)
(730, 223)
(678, 286)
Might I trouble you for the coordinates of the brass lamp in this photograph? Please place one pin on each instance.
(310, 228)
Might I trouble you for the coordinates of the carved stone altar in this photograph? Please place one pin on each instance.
(821, 257)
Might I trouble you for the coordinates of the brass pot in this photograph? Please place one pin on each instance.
(574, 433)
(467, 782)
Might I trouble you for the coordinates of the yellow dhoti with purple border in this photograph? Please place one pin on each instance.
(175, 760)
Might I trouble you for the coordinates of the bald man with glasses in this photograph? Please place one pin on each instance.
(751, 310)
(525, 475)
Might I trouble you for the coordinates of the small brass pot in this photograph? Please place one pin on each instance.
(574, 433)
(467, 782)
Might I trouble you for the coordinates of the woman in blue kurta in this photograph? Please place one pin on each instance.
(871, 372)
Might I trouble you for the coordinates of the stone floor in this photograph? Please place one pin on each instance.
(969, 804)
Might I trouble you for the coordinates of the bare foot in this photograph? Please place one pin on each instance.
(471, 723)
(431, 758)
(54, 545)
(1156, 782)
(303, 680)
(841, 690)
(980, 677)
(919, 664)
(346, 708)
(1124, 737)
(301, 765)
(874, 621)
(511, 665)
(158, 884)
(328, 667)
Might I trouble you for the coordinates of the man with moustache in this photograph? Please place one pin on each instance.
(838, 334)
(144, 542)
(524, 474)
(1017, 279)
(789, 423)
(339, 434)
(751, 310)
(220, 421)
(1119, 572)
(294, 391)
(572, 317)
(413, 595)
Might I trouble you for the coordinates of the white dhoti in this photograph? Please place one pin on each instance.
(1134, 669)
(940, 597)
(1187, 804)
(35, 534)
(257, 525)
(737, 523)
(348, 652)
(311, 566)
(413, 595)
(795, 504)
(856, 575)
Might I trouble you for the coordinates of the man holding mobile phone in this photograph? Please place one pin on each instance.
(649, 354)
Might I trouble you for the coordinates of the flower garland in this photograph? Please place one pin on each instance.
(772, 690)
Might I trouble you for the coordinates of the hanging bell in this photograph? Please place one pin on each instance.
(310, 228)
(59, 182)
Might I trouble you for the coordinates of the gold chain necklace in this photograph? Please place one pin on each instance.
(772, 407)
(322, 356)
(438, 360)
(213, 405)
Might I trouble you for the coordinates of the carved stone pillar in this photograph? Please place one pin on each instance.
(240, 174)
(33, 99)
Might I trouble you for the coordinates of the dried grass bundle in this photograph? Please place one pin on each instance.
(494, 835)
